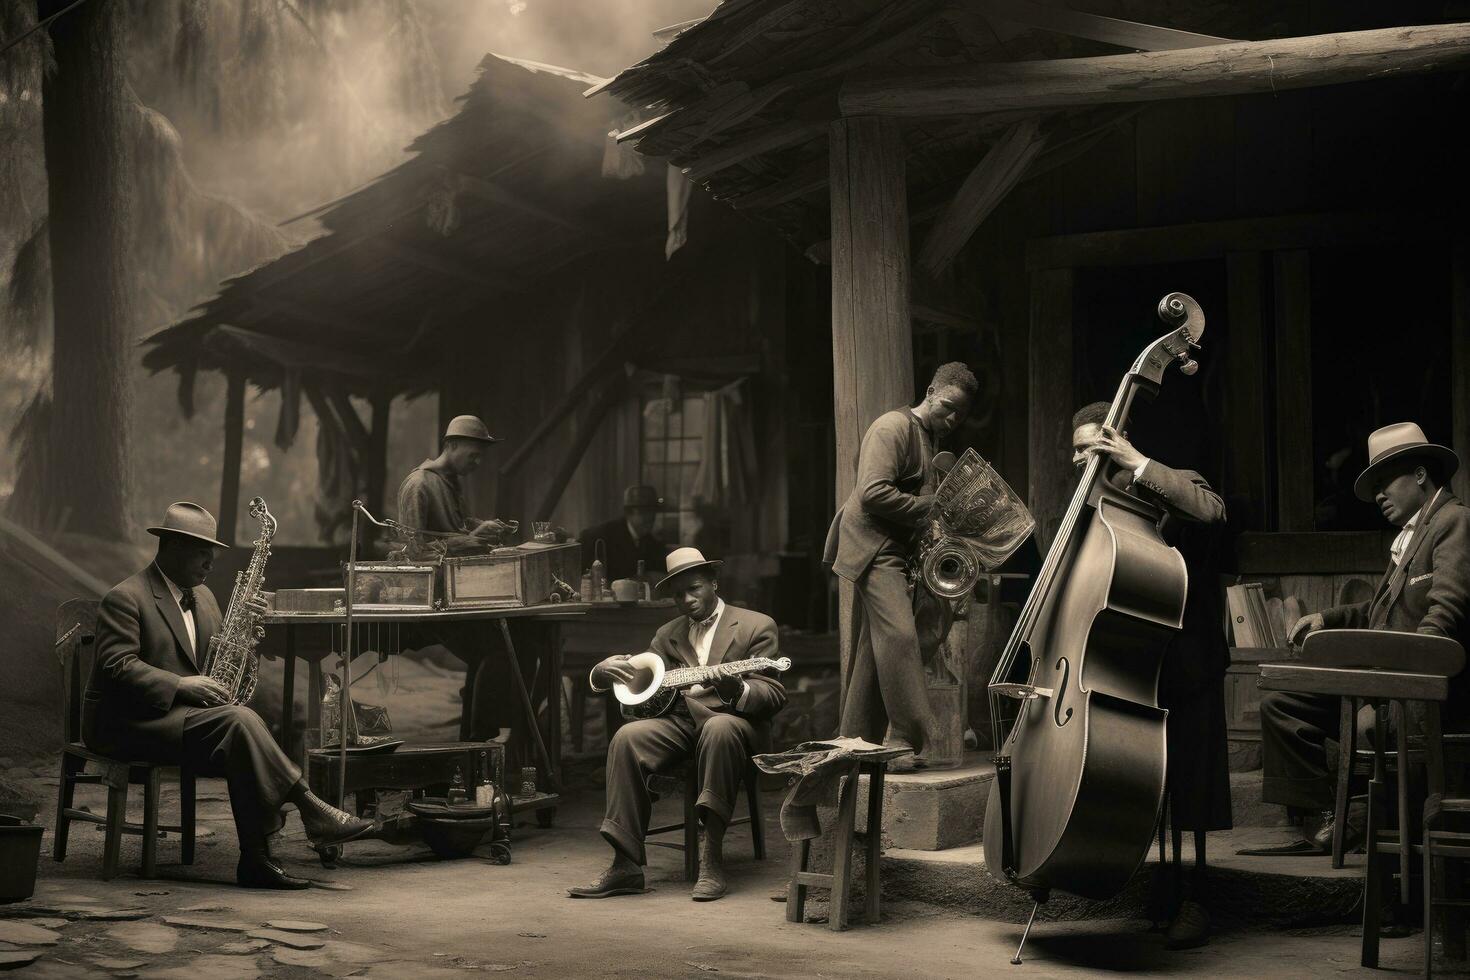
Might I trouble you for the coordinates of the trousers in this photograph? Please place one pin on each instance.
(1294, 731)
(720, 748)
(886, 677)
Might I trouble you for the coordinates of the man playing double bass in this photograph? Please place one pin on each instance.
(1192, 676)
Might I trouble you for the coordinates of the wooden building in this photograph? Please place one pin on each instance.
(517, 266)
(1017, 183)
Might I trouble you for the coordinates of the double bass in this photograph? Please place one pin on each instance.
(1080, 772)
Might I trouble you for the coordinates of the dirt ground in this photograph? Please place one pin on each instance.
(404, 913)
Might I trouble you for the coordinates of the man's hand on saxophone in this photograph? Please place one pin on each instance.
(200, 691)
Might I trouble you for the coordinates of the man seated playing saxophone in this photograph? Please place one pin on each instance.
(146, 700)
(717, 727)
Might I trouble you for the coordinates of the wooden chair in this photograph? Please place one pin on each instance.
(1440, 844)
(76, 631)
(689, 774)
(1393, 670)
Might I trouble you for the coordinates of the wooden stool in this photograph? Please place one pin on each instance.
(690, 824)
(1424, 665)
(76, 631)
(840, 880)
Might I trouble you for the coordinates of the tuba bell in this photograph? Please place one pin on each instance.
(978, 522)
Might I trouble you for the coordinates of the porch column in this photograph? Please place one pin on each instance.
(1051, 399)
(872, 341)
(229, 484)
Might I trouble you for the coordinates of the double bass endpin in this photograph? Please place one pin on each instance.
(1016, 960)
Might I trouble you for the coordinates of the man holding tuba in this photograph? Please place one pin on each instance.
(147, 700)
(870, 544)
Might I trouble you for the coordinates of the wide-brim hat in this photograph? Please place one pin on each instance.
(468, 427)
(640, 496)
(1397, 442)
(683, 560)
(189, 520)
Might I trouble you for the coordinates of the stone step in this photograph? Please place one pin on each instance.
(1279, 892)
(933, 810)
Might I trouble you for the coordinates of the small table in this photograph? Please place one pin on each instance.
(547, 742)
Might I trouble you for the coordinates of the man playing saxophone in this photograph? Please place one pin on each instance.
(147, 700)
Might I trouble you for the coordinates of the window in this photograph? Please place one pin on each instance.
(671, 449)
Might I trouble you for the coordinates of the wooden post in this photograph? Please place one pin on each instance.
(872, 341)
(229, 484)
(1294, 460)
(1245, 372)
(1460, 361)
(1051, 398)
(377, 457)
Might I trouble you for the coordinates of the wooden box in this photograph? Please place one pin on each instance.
(525, 575)
(389, 586)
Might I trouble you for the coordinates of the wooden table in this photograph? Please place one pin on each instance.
(554, 615)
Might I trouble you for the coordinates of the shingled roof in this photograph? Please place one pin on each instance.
(494, 201)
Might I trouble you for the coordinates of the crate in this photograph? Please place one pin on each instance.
(525, 575)
(389, 586)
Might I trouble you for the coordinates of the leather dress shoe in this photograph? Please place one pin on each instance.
(1190, 927)
(327, 826)
(613, 881)
(260, 871)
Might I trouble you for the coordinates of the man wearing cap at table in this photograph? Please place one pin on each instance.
(719, 727)
(147, 702)
(431, 499)
(1426, 589)
(629, 539)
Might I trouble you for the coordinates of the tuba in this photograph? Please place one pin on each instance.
(977, 522)
(232, 660)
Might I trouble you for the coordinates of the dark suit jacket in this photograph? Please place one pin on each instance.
(623, 553)
(887, 502)
(1429, 591)
(130, 709)
(740, 635)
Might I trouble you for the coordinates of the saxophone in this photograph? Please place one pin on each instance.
(232, 660)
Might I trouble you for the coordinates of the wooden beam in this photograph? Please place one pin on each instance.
(1245, 411)
(988, 184)
(1295, 494)
(229, 483)
(1223, 69)
(1050, 398)
(1460, 361)
(615, 389)
(1214, 239)
(872, 338)
(1109, 30)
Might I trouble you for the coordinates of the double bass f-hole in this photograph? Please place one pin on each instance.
(1056, 711)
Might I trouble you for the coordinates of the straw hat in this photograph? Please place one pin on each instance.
(683, 560)
(1396, 442)
(190, 521)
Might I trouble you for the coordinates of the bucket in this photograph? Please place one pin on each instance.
(20, 849)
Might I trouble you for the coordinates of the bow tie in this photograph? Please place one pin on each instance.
(186, 600)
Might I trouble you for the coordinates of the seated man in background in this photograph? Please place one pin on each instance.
(717, 727)
(1426, 589)
(629, 539)
(147, 701)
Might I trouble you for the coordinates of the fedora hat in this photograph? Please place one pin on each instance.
(1396, 442)
(683, 560)
(190, 521)
(468, 427)
(641, 495)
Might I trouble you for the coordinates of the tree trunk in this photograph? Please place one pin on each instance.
(87, 478)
